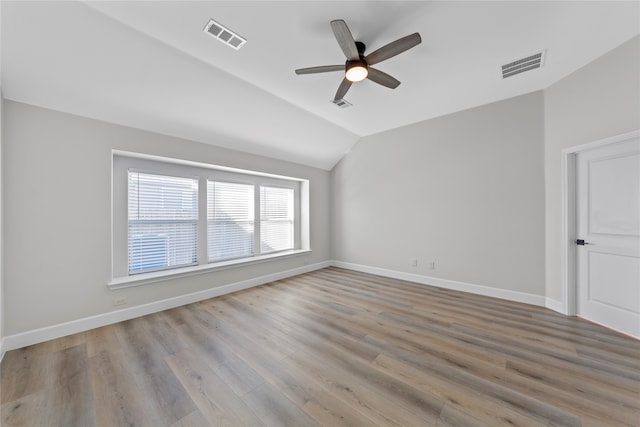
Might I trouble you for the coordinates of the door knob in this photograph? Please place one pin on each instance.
(581, 242)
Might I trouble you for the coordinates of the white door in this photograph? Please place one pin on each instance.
(608, 221)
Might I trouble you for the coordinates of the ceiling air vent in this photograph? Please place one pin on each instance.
(342, 103)
(225, 35)
(521, 65)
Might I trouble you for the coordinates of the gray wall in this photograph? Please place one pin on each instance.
(57, 215)
(600, 100)
(464, 190)
(478, 192)
(1, 230)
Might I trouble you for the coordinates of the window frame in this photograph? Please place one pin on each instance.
(123, 161)
(195, 221)
(227, 181)
(296, 199)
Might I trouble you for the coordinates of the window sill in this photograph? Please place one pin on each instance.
(158, 276)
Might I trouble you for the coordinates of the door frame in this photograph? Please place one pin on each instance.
(570, 219)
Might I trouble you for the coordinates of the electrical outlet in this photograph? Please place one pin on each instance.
(414, 262)
(432, 265)
(119, 301)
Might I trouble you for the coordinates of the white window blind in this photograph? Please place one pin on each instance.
(230, 216)
(162, 222)
(276, 219)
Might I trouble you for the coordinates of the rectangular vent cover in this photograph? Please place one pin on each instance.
(225, 35)
(521, 65)
(342, 103)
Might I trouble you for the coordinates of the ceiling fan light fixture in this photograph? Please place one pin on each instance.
(356, 71)
(356, 68)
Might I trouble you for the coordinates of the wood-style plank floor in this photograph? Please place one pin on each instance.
(334, 348)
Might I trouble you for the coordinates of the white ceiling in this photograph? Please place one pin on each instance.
(149, 65)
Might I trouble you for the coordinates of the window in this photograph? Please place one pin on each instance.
(230, 213)
(276, 219)
(162, 222)
(172, 216)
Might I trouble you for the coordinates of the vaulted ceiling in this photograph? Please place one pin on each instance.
(149, 65)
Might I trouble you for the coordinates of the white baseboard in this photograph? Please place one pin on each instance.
(35, 336)
(12, 342)
(506, 294)
(555, 305)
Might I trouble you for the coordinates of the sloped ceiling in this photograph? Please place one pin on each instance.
(149, 65)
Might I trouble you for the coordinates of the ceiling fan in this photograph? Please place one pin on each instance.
(358, 66)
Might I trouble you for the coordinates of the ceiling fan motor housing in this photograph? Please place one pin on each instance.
(357, 69)
(358, 62)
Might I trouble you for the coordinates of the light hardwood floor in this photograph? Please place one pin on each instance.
(332, 347)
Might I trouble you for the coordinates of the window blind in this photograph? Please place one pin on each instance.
(230, 216)
(162, 222)
(276, 219)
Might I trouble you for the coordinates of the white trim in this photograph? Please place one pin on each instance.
(191, 163)
(35, 336)
(13, 342)
(158, 276)
(568, 230)
(555, 305)
(569, 283)
(506, 294)
(2, 299)
(122, 162)
(602, 142)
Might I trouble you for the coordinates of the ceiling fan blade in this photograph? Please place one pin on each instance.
(345, 39)
(394, 48)
(382, 78)
(342, 89)
(321, 69)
